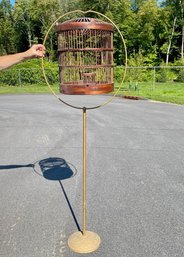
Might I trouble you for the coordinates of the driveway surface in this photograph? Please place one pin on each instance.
(135, 176)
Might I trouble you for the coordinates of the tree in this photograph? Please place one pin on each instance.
(7, 32)
(23, 24)
(170, 40)
(44, 13)
(96, 5)
(181, 3)
(152, 32)
(143, 31)
(166, 35)
(119, 11)
(32, 20)
(176, 9)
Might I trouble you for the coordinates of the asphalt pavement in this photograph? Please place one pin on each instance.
(135, 176)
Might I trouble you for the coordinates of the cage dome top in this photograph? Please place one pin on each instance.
(84, 23)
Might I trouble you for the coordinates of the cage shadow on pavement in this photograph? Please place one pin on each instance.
(55, 168)
(52, 168)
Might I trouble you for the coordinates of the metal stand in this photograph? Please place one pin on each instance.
(85, 241)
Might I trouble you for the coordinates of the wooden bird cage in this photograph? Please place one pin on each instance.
(85, 52)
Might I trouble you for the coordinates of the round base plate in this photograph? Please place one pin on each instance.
(84, 244)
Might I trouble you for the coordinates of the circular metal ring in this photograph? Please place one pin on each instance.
(125, 66)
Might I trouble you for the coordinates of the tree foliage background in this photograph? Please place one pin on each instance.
(154, 32)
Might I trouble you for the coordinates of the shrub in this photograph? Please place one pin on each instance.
(9, 77)
(165, 75)
(29, 72)
(180, 77)
(118, 73)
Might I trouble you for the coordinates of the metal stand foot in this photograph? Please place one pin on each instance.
(87, 243)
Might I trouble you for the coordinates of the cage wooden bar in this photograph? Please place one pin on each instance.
(85, 55)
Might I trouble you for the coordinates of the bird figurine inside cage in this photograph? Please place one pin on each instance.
(85, 56)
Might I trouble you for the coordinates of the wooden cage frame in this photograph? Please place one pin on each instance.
(85, 55)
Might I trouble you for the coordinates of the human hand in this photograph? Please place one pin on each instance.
(36, 51)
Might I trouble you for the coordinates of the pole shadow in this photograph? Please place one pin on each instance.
(52, 168)
(15, 166)
(55, 168)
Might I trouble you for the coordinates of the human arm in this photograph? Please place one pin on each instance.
(36, 51)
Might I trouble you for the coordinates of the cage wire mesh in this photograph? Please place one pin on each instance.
(85, 55)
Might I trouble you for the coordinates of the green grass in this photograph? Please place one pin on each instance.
(165, 92)
(27, 89)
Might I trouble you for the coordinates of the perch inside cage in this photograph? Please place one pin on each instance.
(85, 50)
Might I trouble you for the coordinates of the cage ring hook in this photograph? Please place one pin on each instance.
(125, 65)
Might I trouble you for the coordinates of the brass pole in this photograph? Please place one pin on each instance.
(84, 171)
(85, 241)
